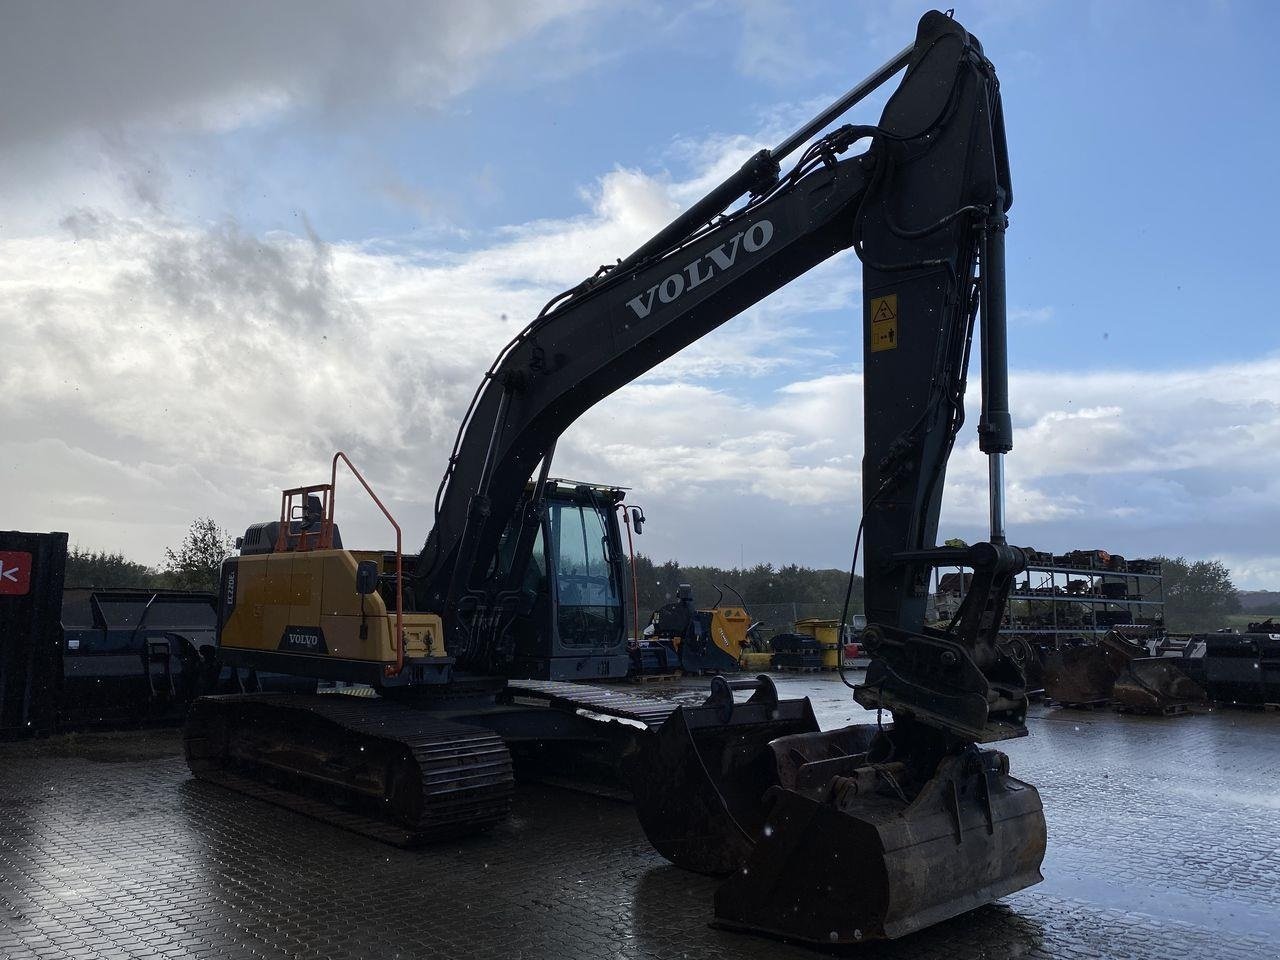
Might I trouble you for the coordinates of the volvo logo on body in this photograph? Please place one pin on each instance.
(302, 640)
(715, 261)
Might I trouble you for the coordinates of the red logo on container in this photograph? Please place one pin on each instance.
(15, 573)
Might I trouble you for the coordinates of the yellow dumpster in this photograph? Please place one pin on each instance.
(827, 633)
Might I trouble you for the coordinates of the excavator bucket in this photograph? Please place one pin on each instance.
(699, 780)
(1156, 685)
(1117, 669)
(1079, 675)
(820, 842)
(855, 860)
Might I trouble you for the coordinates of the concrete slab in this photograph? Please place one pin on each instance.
(1163, 844)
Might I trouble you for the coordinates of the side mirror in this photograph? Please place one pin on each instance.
(637, 520)
(366, 577)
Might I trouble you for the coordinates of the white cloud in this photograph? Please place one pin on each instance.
(217, 66)
(108, 104)
(1030, 316)
(772, 46)
(247, 358)
(159, 370)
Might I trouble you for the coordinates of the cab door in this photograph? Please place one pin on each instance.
(586, 577)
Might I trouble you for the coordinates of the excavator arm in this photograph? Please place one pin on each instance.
(924, 204)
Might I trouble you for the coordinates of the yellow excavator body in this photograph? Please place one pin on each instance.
(306, 604)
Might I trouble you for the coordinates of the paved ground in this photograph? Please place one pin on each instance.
(1164, 843)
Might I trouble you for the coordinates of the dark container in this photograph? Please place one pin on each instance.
(32, 566)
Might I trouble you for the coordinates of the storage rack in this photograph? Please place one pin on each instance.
(1083, 595)
(1075, 595)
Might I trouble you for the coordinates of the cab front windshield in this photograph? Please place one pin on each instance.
(589, 608)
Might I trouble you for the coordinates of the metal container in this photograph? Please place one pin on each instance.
(32, 566)
(827, 633)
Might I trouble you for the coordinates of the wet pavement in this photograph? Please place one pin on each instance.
(1164, 842)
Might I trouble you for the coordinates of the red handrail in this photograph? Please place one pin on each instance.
(324, 537)
(327, 536)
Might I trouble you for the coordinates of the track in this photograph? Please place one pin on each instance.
(378, 768)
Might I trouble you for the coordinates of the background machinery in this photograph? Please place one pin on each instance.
(831, 837)
(1117, 669)
(683, 637)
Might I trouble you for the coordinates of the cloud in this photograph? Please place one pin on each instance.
(159, 367)
(247, 358)
(773, 45)
(162, 369)
(218, 66)
(1030, 316)
(1138, 462)
(112, 106)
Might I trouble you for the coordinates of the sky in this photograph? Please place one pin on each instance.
(237, 237)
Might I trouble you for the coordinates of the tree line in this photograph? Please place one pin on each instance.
(817, 592)
(1198, 594)
(193, 565)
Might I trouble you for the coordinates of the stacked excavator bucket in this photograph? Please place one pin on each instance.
(1117, 670)
(699, 779)
(829, 838)
(1079, 675)
(1155, 685)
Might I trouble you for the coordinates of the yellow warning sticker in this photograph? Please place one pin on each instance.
(884, 323)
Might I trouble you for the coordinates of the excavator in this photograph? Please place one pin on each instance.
(469, 651)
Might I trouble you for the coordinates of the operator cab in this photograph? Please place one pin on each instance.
(572, 621)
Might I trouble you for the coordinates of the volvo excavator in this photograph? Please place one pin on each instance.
(467, 649)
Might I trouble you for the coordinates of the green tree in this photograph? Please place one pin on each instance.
(772, 594)
(1198, 595)
(99, 568)
(198, 559)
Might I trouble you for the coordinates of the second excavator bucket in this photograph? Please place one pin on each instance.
(866, 857)
(1117, 669)
(1079, 675)
(700, 779)
(1155, 685)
